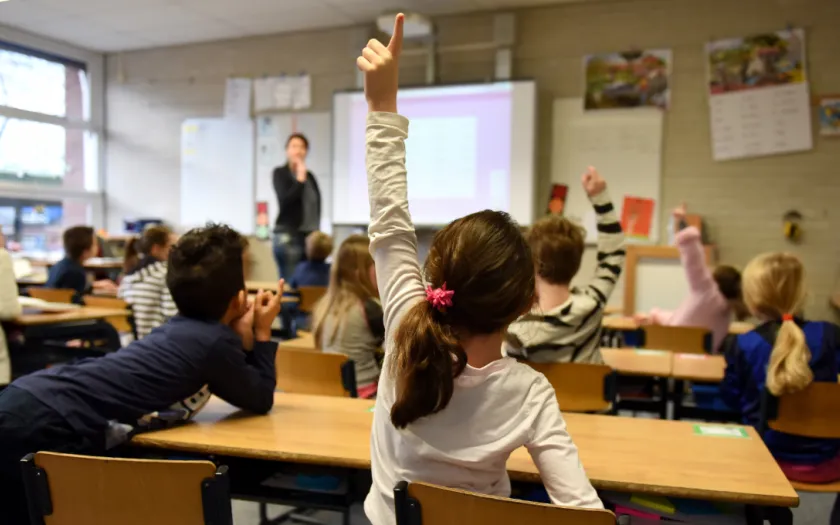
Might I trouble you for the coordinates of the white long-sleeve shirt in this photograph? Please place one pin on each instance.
(9, 309)
(494, 410)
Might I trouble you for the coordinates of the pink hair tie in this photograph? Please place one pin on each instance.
(441, 298)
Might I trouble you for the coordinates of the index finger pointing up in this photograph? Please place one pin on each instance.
(395, 45)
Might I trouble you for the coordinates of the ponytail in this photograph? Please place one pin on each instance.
(132, 254)
(428, 358)
(789, 370)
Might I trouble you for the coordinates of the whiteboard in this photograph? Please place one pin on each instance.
(270, 152)
(624, 145)
(660, 283)
(217, 173)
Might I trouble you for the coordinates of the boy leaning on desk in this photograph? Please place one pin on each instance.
(95, 404)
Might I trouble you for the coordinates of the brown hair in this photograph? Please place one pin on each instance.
(350, 285)
(76, 240)
(485, 260)
(299, 136)
(728, 280)
(557, 246)
(158, 235)
(774, 286)
(319, 246)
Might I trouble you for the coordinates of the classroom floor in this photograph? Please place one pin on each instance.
(814, 509)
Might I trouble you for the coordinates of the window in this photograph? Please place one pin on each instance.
(49, 146)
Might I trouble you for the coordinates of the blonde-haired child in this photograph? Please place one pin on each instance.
(450, 408)
(784, 355)
(348, 320)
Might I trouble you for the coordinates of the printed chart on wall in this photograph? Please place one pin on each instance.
(272, 133)
(625, 146)
(758, 95)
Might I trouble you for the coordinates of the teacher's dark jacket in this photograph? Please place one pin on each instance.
(290, 197)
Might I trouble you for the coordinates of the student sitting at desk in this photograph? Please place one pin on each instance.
(784, 355)
(80, 244)
(450, 408)
(565, 323)
(144, 284)
(348, 320)
(218, 341)
(714, 296)
(315, 270)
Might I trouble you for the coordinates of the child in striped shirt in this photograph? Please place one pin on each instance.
(144, 284)
(565, 324)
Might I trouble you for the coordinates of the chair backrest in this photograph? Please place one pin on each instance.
(52, 295)
(424, 504)
(581, 387)
(64, 489)
(121, 323)
(681, 339)
(309, 297)
(811, 412)
(302, 371)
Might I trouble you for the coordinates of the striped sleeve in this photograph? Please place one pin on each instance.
(611, 252)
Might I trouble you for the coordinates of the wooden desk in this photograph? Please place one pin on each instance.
(624, 323)
(638, 362)
(698, 367)
(84, 313)
(625, 454)
(104, 263)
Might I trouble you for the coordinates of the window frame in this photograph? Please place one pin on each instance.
(94, 65)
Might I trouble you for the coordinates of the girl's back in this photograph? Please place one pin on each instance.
(450, 408)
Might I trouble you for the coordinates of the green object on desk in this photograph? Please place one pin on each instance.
(649, 352)
(720, 431)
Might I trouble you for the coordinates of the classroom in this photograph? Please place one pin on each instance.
(419, 262)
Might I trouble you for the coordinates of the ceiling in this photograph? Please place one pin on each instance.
(121, 25)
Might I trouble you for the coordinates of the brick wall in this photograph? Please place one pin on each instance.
(150, 92)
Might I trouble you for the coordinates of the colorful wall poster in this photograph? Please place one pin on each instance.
(758, 95)
(637, 217)
(630, 79)
(263, 228)
(769, 59)
(830, 116)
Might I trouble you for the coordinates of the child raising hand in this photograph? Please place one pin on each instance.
(450, 409)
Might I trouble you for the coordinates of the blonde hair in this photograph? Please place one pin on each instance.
(774, 288)
(350, 284)
(319, 246)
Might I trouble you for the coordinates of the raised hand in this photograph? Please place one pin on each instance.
(592, 182)
(381, 66)
(679, 213)
(300, 170)
(266, 309)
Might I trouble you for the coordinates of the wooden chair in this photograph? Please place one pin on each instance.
(424, 504)
(309, 297)
(811, 412)
(680, 339)
(581, 387)
(123, 324)
(65, 489)
(303, 371)
(52, 295)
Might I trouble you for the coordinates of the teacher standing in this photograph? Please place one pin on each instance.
(299, 200)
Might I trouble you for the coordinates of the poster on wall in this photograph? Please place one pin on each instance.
(631, 79)
(830, 116)
(758, 95)
(637, 217)
(557, 201)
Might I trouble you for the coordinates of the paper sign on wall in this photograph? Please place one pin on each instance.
(637, 217)
(758, 95)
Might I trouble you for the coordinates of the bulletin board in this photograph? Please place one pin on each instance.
(625, 145)
(270, 152)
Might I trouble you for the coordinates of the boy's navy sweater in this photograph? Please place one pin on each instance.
(167, 366)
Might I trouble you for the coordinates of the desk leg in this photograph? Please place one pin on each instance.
(679, 394)
(663, 394)
(775, 515)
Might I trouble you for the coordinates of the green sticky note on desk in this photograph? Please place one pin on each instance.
(648, 352)
(371, 409)
(720, 431)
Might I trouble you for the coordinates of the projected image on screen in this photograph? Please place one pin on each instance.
(463, 154)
